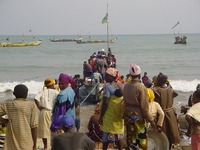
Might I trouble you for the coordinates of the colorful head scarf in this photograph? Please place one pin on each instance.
(162, 78)
(151, 95)
(48, 82)
(134, 70)
(154, 79)
(112, 71)
(97, 109)
(65, 78)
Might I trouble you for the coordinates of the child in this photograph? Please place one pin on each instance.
(77, 120)
(193, 119)
(183, 125)
(122, 79)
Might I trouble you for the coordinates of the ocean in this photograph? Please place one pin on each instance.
(153, 53)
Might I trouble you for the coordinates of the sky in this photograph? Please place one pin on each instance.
(83, 17)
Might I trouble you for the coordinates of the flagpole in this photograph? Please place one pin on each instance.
(107, 30)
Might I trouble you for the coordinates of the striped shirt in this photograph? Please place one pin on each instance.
(22, 115)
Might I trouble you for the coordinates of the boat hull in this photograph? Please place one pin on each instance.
(64, 40)
(93, 41)
(11, 44)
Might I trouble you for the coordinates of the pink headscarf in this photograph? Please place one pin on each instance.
(134, 70)
(65, 78)
(112, 71)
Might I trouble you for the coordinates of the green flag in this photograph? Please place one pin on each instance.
(104, 20)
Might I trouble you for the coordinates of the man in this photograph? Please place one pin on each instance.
(145, 78)
(45, 101)
(165, 97)
(96, 77)
(87, 70)
(22, 121)
(71, 140)
(136, 110)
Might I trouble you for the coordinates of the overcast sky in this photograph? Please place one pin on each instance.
(72, 17)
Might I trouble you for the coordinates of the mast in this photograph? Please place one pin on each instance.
(107, 29)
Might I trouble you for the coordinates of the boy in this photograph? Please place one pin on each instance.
(22, 121)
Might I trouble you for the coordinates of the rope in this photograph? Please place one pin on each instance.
(89, 93)
(40, 76)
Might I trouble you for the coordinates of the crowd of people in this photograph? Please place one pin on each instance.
(99, 63)
(129, 108)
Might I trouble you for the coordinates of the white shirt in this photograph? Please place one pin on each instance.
(47, 98)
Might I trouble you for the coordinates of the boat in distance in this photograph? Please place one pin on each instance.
(179, 39)
(95, 41)
(21, 44)
(64, 40)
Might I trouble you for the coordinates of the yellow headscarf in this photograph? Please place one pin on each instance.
(151, 95)
(49, 82)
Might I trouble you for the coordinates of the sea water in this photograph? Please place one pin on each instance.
(153, 53)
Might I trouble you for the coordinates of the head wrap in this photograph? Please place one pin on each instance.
(48, 82)
(112, 71)
(151, 95)
(134, 70)
(66, 120)
(162, 78)
(154, 79)
(168, 81)
(65, 78)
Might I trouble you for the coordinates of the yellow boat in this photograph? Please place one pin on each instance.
(11, 44)
(35, 43)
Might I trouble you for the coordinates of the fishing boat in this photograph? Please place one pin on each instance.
(179, 39)
(94, 41)
(34, 43)
(21, 44)
(65, 40)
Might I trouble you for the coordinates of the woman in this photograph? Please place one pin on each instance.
(45, 101)
(164, 96)
(193, 119)
(154, 107)
(111, 117)
(64, 103)
(95, 132)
